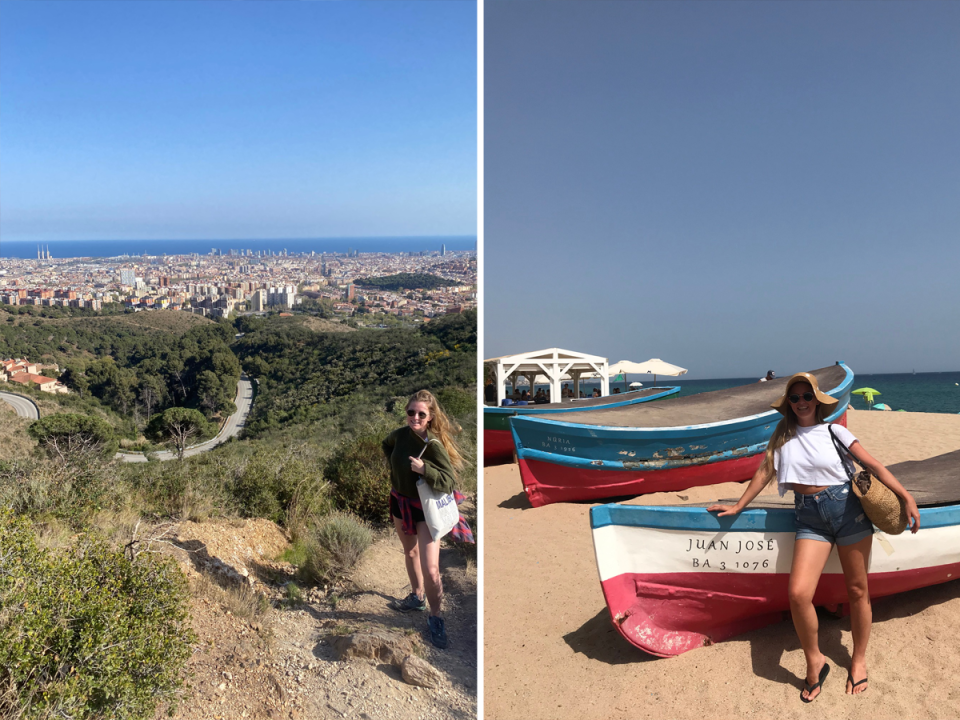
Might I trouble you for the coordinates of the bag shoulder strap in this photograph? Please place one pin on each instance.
(843, 452)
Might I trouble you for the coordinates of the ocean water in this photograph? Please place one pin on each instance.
(116, 248)
(923, 392)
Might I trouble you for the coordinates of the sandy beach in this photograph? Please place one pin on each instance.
(550, 650)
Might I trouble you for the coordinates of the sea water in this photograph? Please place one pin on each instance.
(923, 392)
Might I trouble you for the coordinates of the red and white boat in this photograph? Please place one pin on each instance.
(679, 578)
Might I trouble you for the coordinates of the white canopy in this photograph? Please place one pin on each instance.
(553, 364)
(656, 366)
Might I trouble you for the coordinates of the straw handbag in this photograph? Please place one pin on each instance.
(882, 505)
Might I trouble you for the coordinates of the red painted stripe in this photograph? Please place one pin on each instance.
(497, 447)
(546, 482)
(669, 614)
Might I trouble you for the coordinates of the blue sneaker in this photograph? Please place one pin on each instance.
(438, 633)
(409, 603)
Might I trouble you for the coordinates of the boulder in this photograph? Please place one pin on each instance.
(417, 671)
(373, 645)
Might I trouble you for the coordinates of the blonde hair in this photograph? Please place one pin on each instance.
(441, 425)
(786, 430)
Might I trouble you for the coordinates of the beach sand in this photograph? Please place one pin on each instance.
(550, 650)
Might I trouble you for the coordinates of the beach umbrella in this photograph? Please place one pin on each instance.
(636, 384)
(882, 406)
(656, 366)
(867, 393)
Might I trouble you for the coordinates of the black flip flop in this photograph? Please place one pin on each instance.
(854, 684)
(824, 671)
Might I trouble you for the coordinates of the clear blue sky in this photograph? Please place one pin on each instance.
(729, 186)
(237, 119)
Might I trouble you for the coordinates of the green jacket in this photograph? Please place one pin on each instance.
(404, 443)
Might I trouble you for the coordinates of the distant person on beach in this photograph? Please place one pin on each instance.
(490, 392)
(566, 392)
(596, 392)
(425, 447)
(581, 394)
(802, 456)
(771, 375)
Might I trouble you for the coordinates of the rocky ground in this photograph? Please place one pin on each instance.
(268, 650)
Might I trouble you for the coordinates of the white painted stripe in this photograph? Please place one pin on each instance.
(637, 550)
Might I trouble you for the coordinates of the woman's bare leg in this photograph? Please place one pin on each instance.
(809, 558)
(430, 567)
(411, 557)
(854, 559)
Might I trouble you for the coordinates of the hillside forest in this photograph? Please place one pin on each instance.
(308, 459)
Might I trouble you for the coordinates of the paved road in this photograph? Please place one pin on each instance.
(231, 427)
(24, 406)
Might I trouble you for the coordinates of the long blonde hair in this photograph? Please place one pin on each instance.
(786, 430)
(442, 426)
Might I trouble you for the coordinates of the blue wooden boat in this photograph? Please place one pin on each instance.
(701, 439)
(498, 440)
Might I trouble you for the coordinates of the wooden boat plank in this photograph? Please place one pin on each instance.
(934, 481)
(716, 406)
(584, 403)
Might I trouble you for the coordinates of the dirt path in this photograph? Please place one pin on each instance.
(283, 665)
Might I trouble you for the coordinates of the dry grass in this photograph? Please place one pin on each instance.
(14, 441)
(240, 600)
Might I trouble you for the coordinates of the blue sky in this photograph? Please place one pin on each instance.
(237, 119)
(729, 186)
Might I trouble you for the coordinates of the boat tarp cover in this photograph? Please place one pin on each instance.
(935, 481)
(709, 407)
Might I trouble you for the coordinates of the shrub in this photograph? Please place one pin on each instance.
(457, 402)
(68, 437)
(39, 486)
(335, 547)
(87, 633)
(359, 477)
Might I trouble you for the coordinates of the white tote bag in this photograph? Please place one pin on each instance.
(439, 509)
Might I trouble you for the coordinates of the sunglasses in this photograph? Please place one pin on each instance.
(421, 415)
(808, 396)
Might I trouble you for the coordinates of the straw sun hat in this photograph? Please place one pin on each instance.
(781, 404)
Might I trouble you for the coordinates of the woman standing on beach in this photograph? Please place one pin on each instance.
(423, 447)
(802, 456)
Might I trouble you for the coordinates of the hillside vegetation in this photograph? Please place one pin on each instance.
(309, 460)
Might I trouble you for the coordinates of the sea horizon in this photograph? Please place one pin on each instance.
(71, 249)
(933, 392)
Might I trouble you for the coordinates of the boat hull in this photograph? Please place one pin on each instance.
(498, 447)
(564, 462)
(676, 579)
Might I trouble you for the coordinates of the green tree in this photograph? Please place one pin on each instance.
(178, 425)
(68, 437)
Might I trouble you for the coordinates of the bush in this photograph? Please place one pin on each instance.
(360, 478)
(335, 547)
(456, 402)
(39, 486)
(69, 437)
(87, 633)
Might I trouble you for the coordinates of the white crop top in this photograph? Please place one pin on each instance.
(811, 458)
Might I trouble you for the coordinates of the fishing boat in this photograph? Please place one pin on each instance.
(680, 578)
(696, 440)
(498, 441)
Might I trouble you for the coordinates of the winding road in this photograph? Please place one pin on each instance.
(24, 406)
(231, 428)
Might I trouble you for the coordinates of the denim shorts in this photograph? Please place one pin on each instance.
(833, 515)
